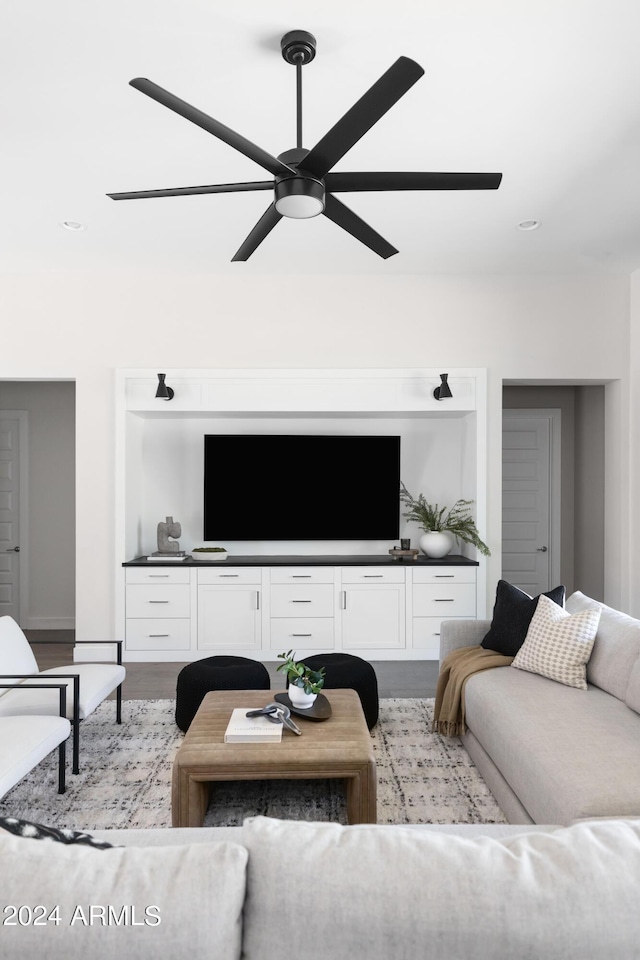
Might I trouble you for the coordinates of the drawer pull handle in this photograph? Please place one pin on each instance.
(229, 575)
(157, 634)
(301, 601)
(301, 634)
(157, 601)
(369, 575)
(300, 576)
(436, 634)
(444, 600)
(157, 575)
(443, 576)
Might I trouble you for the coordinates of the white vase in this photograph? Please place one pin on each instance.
(299, 698)
(436, 544)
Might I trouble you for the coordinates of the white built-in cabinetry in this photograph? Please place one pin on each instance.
(380, 609)
(377, 610)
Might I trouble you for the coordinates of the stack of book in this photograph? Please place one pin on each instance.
(244, 729)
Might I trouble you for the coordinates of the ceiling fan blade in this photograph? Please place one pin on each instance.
(361, 117)
(219, 130)
(193, 191)
(263, 227)
(358, 182)
(351, 222)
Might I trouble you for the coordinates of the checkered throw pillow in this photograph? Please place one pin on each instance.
(559, 644)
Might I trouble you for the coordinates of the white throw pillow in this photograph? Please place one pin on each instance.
(558, 644)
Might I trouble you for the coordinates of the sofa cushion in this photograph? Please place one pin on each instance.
(390, 892)
(567, 754)
(616, 649)
(632, 696)
(512, 613)
(125, 902)
(558, 644)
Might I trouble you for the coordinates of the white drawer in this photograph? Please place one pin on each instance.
(157, 574)
(299, 600)
(426, 632)
(152, 601)
(228, 574)
(302, 574)
(444, 574)
(373, 574)
(158, 634)
(446, 599)
(291, 633)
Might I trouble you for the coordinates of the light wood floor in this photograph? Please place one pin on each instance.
(157, 681)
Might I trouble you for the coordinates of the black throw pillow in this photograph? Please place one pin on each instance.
(512, 613)
(39, 831)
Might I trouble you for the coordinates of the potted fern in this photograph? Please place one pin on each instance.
(442, 524)
(304, 683)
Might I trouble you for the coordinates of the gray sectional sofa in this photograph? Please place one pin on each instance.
(552, 753)
(274, 889)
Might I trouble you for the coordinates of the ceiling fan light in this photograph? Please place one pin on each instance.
(299, 198)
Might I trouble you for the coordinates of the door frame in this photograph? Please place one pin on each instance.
(554, 417)
(22, 416)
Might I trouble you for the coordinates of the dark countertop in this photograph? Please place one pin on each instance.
(314, 560)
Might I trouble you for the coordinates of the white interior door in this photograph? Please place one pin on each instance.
(10, 464)
(530, 499)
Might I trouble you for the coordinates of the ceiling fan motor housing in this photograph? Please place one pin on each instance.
(299, 197)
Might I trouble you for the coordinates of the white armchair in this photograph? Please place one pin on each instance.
(88, 684)
(25, 741)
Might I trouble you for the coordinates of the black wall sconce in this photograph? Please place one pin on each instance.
(443, 391)
(163, 392)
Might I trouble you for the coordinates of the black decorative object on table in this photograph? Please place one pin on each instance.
(320, 709)
(215, 673)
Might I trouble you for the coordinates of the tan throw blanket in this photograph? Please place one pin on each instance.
(456, 669)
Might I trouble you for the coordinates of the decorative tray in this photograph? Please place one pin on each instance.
(321, 709)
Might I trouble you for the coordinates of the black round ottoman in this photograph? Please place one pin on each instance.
(344, 671)
(215, 673)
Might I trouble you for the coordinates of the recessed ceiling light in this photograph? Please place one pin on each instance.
(528, 225)
(73, 225)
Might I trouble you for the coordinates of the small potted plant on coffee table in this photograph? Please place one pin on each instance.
(304, 683)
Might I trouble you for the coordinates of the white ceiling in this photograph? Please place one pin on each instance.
(548, 93)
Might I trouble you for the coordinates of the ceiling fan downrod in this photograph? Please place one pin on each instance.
(298, 48)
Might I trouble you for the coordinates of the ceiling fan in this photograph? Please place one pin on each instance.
(302, 182)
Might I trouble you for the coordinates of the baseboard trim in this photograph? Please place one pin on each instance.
(50, 623)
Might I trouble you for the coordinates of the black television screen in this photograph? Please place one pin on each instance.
(293, 487)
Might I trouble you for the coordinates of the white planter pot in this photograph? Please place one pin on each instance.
(436, 544)
(299, 698)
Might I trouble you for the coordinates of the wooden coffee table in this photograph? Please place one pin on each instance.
(340, 747)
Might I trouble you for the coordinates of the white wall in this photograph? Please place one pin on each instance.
(50, 577)
(549, 327)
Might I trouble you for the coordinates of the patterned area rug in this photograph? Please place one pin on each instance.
(125, 777)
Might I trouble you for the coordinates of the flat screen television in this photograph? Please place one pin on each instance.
(301, 487)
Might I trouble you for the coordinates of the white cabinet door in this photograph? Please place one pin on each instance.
(373, 615)
(229, 617)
